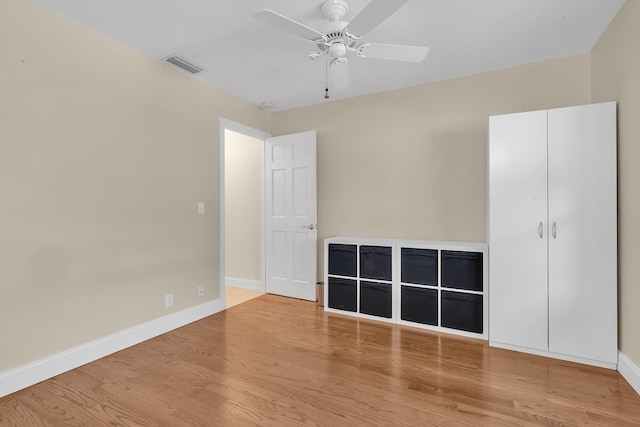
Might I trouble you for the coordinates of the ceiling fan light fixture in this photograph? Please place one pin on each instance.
(337, 50)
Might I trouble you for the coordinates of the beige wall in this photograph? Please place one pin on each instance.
(411, 163)
(243, 202)
(104, 153)
(615, 69)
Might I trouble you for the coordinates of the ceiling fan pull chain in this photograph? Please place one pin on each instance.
(326, 78)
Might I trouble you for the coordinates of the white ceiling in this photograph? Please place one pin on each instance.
(260, 63)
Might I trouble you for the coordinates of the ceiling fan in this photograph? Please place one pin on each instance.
(337, 37)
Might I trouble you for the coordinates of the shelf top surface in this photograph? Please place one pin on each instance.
(409, 243)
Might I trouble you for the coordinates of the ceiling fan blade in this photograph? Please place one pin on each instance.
(373, 14)
(339, 75)
(393, 52)
(287, 24)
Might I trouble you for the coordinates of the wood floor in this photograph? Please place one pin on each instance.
(235, 296)
(274, 361)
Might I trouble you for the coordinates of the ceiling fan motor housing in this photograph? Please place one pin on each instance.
(337, 42)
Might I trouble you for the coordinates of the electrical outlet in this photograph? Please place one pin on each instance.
(168, 300)
(200, 291)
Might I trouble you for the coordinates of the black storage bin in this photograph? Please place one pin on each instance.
(462, 270)
(419, 266)
(375, 262)
(462, 311)
(419, 305)
(342, 260)
(343, 294)
(376, 299)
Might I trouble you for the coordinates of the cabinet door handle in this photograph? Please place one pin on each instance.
(553, 230)
(540, 229)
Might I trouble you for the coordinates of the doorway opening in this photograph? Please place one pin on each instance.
(270, 246)
(242, 250)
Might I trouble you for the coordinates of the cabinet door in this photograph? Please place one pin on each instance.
(518, 229)
(582, 243)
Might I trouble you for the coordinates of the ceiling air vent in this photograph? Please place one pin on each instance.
(184, 64)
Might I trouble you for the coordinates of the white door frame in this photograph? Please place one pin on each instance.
(254, 133)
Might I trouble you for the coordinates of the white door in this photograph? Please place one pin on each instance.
(518, 229)
(582, 240)
(290, 225)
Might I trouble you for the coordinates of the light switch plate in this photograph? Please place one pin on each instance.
(200, 208)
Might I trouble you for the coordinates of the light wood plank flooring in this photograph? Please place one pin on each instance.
(237, 296)
(275, 361)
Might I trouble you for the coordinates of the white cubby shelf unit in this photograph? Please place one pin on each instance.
(435, 285)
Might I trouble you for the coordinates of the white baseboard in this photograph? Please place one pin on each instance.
(235, 282)
(33, 373)
(630, 371)
(599, 363)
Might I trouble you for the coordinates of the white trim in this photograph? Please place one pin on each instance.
(559, 356)
(235, 282)
(226, 124)
(630, 371)
(40, 370)
(263, 219)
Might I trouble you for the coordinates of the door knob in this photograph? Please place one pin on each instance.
(311, 226)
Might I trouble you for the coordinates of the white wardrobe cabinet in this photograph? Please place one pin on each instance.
(553, 233)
